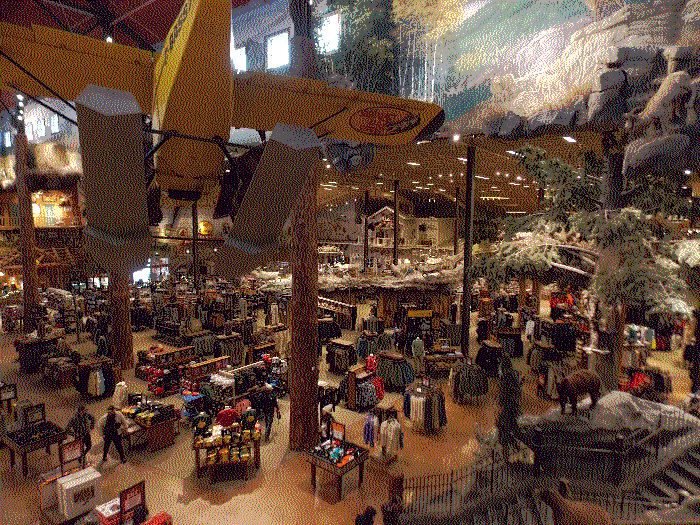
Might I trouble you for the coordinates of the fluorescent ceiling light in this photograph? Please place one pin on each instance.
(380, 183)
(514, 183)
(332, 182)
(515, 212)
(422, 142)
(684, 187)
(526, 186)
(462, 159)
(415, 182)
(441, 189)
(570, 139)
(411, 163)
(328, 188)
(480, 177)
(511, 152)
(494, 187)
(430, 184)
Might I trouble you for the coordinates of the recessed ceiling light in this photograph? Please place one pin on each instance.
(507, 175)
(441, 189)
(569, 139)
(354, 187)
(20, 97)
(451, 175)
(514, 183)
(480, 177)
(518, 177)
(380, 183)
(325, 159)
(688, 172)
(498, 173)
(415, 182)
(440, 175)
(215, 249)
(332, 182)
(462, 159)
(461, 174)
(511, 152)
(328, 166)
(109, 39)
(455, 137)
(411, 163)
(430, 178)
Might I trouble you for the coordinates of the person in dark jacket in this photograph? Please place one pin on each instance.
(367, 517)
(79, 427)
(111, 426)
(268, 407)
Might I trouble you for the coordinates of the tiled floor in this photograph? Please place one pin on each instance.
(280, 492)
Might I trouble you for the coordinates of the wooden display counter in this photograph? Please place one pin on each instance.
(340, 354)
(335, 470)
(442, 360)
(154, 437)
(196, 371)
(31, 350)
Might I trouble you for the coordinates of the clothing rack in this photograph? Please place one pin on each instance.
(424, 405)
(469, 383)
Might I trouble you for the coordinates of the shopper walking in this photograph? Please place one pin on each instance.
(111, 425)
(268, 406)
(79, 427)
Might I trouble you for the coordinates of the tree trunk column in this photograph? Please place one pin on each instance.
(396, 222)
(467, 280)
(30, 278)
(303, 365)
(455, 240)
(365, 241)
(195, 248)
(122, 339)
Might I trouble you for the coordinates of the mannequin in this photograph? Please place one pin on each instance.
(120, 398)
(327, 420)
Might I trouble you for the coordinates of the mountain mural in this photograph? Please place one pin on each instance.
(530, 56)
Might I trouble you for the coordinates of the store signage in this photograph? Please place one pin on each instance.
(130, 499)
(419, 313)
(8, 392)
(383, 121)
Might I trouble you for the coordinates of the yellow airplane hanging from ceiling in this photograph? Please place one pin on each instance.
(191, 88)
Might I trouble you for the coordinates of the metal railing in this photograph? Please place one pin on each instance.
(623, 462)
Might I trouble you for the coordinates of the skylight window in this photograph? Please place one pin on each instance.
(329, 33)
(239, 59)
(278, 50)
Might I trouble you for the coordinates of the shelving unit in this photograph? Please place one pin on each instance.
(194, 372)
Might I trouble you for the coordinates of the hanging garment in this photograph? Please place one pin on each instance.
(371, 363)
(384, 343)
(365, 395)
(362, 347)
(368, 430)
(391, 437)
(378, 387)
(274, 314)
(530, 329)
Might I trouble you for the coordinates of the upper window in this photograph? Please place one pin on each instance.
(238, 58)
(329, 33)
(8, 139)
(54, 124)
(278, 50)
(29, 131)
(40, 128)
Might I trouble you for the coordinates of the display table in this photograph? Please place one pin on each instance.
(442, 360)
(341, 355)
(31, 350)
(255, 457)
(395, 371)
(39, 436)
(511, 341)
(155, 437)
(52, 516)
(318, 461)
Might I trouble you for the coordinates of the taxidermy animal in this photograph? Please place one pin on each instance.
(569, 512)
(576, 384)
(664, 105)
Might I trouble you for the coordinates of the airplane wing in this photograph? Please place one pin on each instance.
(67, 63)
(261, 100)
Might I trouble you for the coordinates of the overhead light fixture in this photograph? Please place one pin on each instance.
(524, 186)
(498, 173)
(518, 177)
(684, 187)
(461, 174)
(440, 175)
(328, 166)
(415, 182)
(20, 104)
(19, 117)
(332, 182)
(515, 212)
(329, 188)
(228, 170)
(507, 175)
(462, 159)
(441, 189)
(422, 142)
(411, 163)
(455, 137)
(20, 97)
(688, 172)
(380, 183)
(354, 188)
(570, 139)
(494, 187)
(216, 249)
(480, 177)
(109, 39)
(511, 152)
(430, 177)
(514, 183)
(431, 184)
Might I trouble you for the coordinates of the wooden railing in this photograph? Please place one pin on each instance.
(41, 221)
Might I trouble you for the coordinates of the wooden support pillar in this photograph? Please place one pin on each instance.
(303, 364)
(396, 222)
(122, 339)
(365, 241)
(468, 223)
(455, 241)
(522, 294)
(30, 277)
(195, 247)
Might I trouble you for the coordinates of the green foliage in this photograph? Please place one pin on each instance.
(367, 54)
